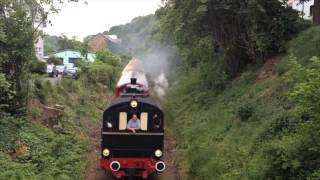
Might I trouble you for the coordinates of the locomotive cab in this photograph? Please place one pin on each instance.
(123, 152)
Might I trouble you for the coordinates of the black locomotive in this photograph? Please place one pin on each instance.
(125, 153)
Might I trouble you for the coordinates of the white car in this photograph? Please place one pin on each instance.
(60, 68)
(71, 69)
(50, 68)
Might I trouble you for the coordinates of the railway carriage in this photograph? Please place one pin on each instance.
(128, 154)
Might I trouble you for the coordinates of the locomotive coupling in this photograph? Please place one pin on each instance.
(160, 166)
(115, 166)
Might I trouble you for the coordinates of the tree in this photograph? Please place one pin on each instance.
(106, 56)
(84, 49)
(17, 48)
(17, 35)
(242, 32)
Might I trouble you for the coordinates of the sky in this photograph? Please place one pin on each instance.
(82, 19)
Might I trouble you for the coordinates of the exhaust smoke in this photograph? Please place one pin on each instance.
(158, 64)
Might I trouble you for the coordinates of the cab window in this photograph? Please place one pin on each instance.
(124, 119)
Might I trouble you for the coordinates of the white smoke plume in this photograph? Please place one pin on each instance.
(161, 85)
(157, 64)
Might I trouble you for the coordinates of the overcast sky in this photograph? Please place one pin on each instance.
(80, 19)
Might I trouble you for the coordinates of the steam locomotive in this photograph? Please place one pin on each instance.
(123, 152)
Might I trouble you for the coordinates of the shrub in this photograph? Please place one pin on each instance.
(248, 77)
(245, 111)
(306, 45)
(6, 94)
(106, 56)
(39, 91)
(38, 67)
(282, 68)
(54, 60)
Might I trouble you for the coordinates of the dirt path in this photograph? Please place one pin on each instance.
(170, 154)
(93, 171)
(93, 168)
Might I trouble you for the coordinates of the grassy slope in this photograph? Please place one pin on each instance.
(29, 150)
(215, 142)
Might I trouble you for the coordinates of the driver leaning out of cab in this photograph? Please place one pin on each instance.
(134, 123)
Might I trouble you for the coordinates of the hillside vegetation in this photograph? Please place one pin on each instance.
(45, 122)
(244, 103)
(251, 128)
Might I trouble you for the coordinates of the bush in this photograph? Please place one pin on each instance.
(245, 111)
(306, 45)
(282, 68)
(6, 94)
(106, 56)
(38, 67)
(54, 60)
(248, 77)
(39, 91)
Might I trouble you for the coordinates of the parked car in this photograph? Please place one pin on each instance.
(51, 70)
(71, 70)
(60, 68)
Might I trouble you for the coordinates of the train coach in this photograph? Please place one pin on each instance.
(137, 151)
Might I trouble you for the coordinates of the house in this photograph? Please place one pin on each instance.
(38, 24)
(303, 8)
(102, 41)
(71, 56)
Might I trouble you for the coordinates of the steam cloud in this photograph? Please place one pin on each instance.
(157, 64)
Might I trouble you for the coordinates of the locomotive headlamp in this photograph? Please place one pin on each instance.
(134, 103)
(106, 152)
(158, 153)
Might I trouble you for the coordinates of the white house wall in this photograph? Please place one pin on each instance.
(298, 6)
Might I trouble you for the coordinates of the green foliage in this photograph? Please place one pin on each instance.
(306, 93)
(54, 44)
(104, 71)
(50, 44)
(306, 45)
(84, 49)
(282, 142)
(30, 150)
(141, 34)
(54, 60)
(17, 47)
(39, 91)
(241, 32)
(38, 67)
(65, 43)
(245, 111)
(106, 56)
(37, 152)
(100, 72)
(282, 68)
(7, 94)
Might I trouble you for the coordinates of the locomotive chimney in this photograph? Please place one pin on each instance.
(133, 80)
